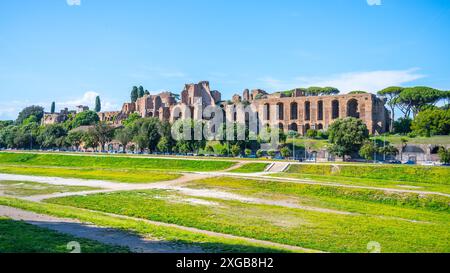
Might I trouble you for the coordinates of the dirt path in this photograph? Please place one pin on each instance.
(120, 238)
(106, 186)
(264, 177)
(104, 235)
(236, 197)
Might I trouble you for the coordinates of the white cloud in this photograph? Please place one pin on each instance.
(371, 81)
(374, 2)
(9, 110)
(73, 2)
(88, 99)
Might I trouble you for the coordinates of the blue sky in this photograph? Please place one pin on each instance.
(71, 50)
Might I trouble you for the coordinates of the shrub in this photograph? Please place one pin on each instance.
(444, 155)
(259, 153)
(285, 152)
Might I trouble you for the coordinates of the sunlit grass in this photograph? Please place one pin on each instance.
(398, 227)
(20, 237)
(26, 188)
(126, 176)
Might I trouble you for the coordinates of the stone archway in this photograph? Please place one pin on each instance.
(307, 128)
(293, 127)
(352, 108)
(294, 111)
(335, 109)
(280, 109)
(320, 110)
(307, 110)
(266, 111)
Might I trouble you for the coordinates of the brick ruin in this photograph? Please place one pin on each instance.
(291, 110)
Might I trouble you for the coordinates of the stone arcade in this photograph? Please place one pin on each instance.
(291, 110)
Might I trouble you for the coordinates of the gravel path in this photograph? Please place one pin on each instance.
(104, 235)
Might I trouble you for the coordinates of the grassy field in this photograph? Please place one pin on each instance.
(108, 162)
(423, 174)
(435, 140)
(367, 182)
(20, 237)
(126, 176)
(399, 222)
(210, 243)
(26, 188)
(251, 168)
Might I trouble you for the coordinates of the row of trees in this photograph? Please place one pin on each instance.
(412, 100)
(138, 92)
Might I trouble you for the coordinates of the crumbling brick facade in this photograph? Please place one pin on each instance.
(292, 111)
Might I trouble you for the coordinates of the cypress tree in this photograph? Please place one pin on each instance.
(134, 94)
(98, 104)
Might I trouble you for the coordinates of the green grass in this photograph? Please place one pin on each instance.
(438, 175)
(330, 197)
(26, 188)
(314, 144)
(367, 182)
(20, 237)
(209, 243)
(95, 162)
(126, 176)
(435, 140)
(251, 168)
(400, 223)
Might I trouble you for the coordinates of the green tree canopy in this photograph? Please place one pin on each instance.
(368, 150)
(52, 136)
(75, 138)
(444, 155)
(347, 136)
(85, 118)
(33, 110)
(141, 91)
(432, 122)
(148, 133)
(134, 94)
(414, 99)
(101, 133)
(402, 126)
(98, 104)
(124, 136)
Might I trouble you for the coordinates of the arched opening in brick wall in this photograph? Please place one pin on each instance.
(280, 107)
(307, 110)
(294, 111)
(307, 128)
(280, 126)
(320, 110)
(335, 109)
(320, 126)
(266, 111)
(293, 127)
(352, 108)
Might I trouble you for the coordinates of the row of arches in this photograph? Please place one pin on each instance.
(352, 110)
(296, 128)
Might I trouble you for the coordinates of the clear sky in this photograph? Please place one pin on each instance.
(70, 50)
